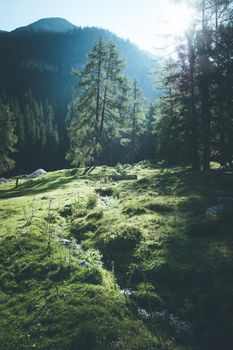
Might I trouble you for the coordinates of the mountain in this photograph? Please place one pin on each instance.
(42, 56)
(56, 25)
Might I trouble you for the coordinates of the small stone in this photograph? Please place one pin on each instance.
(84, 263)
(216, 210)
(65, 241)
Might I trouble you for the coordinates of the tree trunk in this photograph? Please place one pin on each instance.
(105, 96)
(204, 90)
(134, 122)
(194, 151)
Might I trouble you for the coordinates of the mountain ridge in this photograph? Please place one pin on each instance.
(43, 60)
(49, 24)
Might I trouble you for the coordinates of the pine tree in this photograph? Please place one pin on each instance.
(149, 138)
(96, 109)
(7, 137)
(136, 120)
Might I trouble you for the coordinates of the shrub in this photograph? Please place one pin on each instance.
(120, 169)
(105, 192)
(91, 201)
(66, 211)
(96, 215)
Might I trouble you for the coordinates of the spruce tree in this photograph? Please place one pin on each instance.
(7, 138)
(136, 120)
(96, 109)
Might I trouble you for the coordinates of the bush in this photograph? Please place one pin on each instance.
(105, 192)
(66, 211)
(96, 215)
(120, 169)
(91, 201)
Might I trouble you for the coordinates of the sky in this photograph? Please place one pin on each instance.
(144, 22)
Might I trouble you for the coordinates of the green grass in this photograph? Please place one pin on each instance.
(154, 233)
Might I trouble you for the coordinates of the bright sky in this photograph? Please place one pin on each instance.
(141, 21)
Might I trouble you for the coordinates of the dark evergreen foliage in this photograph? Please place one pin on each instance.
(194, 116)
(7, 137)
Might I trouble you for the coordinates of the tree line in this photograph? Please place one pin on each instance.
(28, 134)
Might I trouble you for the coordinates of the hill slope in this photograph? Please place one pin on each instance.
(170, 253)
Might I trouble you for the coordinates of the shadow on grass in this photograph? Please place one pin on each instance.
(46, 184)
(191, 269)
(183, 182)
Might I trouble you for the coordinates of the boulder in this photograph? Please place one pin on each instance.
(2, 180)
(65, 241)
(85, 263)
(35, 174)
(216, 210)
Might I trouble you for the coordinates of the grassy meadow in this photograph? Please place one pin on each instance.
(89, 263)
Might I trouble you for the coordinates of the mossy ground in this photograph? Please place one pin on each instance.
(153, 234)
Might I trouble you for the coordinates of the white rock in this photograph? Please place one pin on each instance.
(143, 313)
(84, 263)
(216, 210)
(36, 174)
(2, 180)
(127, 291)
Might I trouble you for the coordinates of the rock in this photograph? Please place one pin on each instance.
(216, 210)
(35, 174)
(78, 247)
(84, 263)
(223, 204)
(143, 313)
(105, 201)
(68, 243)
(65, 241)
(2, 180)
(126, 292)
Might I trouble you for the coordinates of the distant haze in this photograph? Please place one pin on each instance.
(141, 21)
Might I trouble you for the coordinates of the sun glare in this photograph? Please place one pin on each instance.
(178, 18)
(171, 20)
